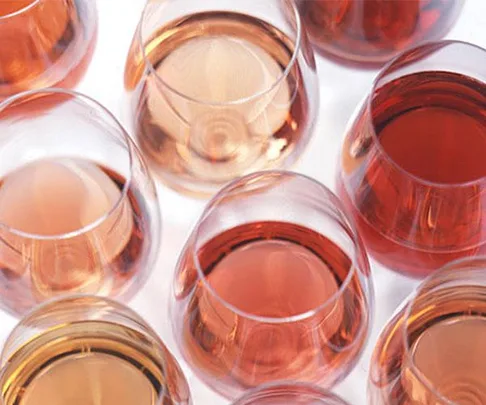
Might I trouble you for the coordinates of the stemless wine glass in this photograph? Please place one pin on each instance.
(412, 168)
(88, 350)
(221, 88)
(273, 284)
(368, 33)
(78, 208)
(289, 393)
(432, 351)
(45, 43)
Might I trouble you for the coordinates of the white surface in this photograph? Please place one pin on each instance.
(341, 90)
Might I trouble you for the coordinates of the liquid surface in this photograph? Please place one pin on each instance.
(219, 70)
(450, 355)
(89, 363)
(58, 196)
(272, 270)
(409, 171)
(224, 69)
(263, 273)
(216, 104)
(437, 144)
(432, 126)
(68, 226)
(90, 379)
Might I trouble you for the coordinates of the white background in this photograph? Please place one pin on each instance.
(341, 90)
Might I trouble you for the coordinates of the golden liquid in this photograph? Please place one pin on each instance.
(87, 363)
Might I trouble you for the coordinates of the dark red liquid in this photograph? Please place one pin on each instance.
(417, 189)
(371, 32)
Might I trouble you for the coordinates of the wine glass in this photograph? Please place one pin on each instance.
(368, 33)
(288, 393)
(273, 284)
(78, 208)
(92, 350)
(221, 88)
(45, 43)
(432, 351)
(412, 168)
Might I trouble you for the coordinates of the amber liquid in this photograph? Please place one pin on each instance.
(368, 33)
(67, 227)
(446, 353)
(89, 363)
(269, 270)
(416, 191)
(220, 60)
(44, 44)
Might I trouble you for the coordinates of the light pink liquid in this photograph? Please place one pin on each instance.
(67, 227)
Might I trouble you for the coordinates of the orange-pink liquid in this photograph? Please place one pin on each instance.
(272, 270)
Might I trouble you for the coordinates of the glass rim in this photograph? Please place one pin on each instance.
(215, 202)
(87, 101)
(289, 389)
(285, 73)
(33, 312)
(76, 296)
(121, 310)
(449, 268)
(383, 73)
(20, 11)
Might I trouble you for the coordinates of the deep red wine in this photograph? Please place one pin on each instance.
(417, 187)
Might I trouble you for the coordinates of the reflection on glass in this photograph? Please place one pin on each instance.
(412, 165)
(88, 350)
(221, 88)
(432, 351)
(273, 284)
(78, 209)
